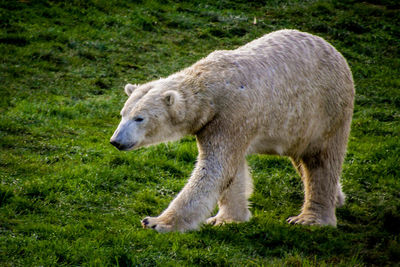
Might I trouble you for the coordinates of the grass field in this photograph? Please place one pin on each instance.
(67, 197)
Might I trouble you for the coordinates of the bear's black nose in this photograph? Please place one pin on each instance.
(116, 144)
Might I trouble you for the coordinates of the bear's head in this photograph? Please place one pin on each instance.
(153, 113)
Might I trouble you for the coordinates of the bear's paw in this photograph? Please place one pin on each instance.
(221, 219)
(157, 224)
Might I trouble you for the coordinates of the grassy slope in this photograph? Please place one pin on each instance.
(68, 198)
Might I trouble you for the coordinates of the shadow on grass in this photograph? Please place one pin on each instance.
(272, 239)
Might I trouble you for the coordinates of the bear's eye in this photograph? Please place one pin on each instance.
(138, 119)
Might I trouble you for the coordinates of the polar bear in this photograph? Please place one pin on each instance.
(287, 93)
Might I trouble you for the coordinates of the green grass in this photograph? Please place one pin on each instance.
(68, 198)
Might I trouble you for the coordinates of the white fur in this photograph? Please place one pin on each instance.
(287, 93)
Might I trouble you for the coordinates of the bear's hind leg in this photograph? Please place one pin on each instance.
(340, 196)
(321, 183)
(233, 203)
(320, 168)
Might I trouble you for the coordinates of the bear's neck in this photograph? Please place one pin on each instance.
(200, 104)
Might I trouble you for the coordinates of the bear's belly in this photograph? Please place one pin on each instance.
(267, 145)
(285, 143)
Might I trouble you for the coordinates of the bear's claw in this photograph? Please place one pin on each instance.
(156, 224)
(221, 219)
(305, 220)
(214, 221)
(311, 219)
(145, 222)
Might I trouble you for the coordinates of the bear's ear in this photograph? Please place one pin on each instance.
(175, 102)
(129, 88)
(170, 97)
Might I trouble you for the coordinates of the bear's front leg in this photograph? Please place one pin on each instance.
(217, 164)
(233, 203)
(196, 200)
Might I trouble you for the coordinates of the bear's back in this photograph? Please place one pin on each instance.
(288, 81)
